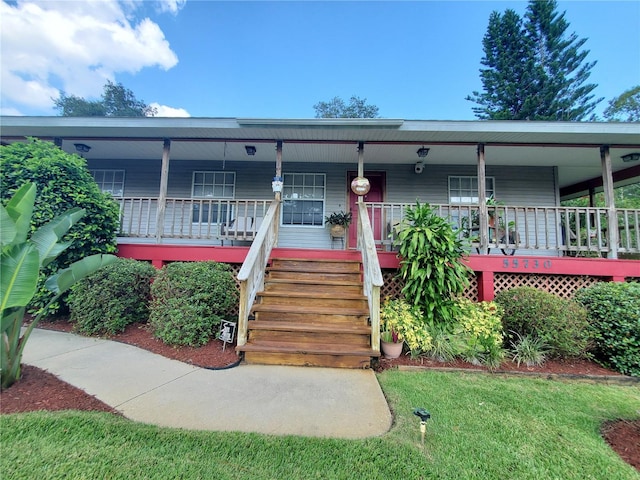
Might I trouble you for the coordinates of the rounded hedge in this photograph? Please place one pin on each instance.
(613, 310)
(112, 298)
(561, 323)
(63, 182)
(189, 300)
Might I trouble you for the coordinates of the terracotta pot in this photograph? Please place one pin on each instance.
(337, 231)
(390, 349)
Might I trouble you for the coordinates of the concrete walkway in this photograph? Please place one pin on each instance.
(278, 400)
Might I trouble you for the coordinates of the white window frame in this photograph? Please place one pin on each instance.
(203, 218)
(472, 200)
(109, 186)
(295, 191)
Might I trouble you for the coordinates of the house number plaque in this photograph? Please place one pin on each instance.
(526, 264)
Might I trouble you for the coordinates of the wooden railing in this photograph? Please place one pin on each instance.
(372, 274)
(192, 218)
(574, 230)
(251, 274)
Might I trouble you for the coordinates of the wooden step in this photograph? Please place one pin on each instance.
(316, 355)
(315, 265)
(300, 333)
(313, 276)
(312, 299)
(334, 287)
(317, 310)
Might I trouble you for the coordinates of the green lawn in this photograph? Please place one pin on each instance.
(482, 426)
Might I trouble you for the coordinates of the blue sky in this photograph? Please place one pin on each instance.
(414, 60)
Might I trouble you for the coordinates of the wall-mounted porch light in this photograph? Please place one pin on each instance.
(251, 150)
(82, 147)
(631, 157)
(423, 152)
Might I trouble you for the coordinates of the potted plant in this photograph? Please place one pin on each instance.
(339, 221)
(391, 343)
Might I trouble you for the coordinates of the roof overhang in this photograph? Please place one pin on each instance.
(572, 147)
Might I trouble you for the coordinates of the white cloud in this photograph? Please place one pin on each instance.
(166, 111)
(172, 6)
(75, 46)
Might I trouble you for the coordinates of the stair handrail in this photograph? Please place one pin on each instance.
(251, 274)
(371, 272)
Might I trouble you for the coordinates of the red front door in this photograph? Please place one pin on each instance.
(376, 193)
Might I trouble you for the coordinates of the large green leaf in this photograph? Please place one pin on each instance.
(7, 228)
(47, 237)
(64, 279)
(20, 209)
(19, 267)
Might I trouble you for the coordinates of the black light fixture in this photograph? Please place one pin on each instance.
(251, 150)
(631, 157)
(423, 152)
(82, 148)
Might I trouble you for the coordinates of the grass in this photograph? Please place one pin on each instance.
(482, 426)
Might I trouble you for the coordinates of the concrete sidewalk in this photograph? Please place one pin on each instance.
(278, 400)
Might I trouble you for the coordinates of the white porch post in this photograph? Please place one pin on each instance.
(360, 198)
(162, 196)
(609, 202)
(482, 201)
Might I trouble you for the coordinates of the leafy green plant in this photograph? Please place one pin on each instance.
(338, 218)
(63, 182)
(613, 310)
(431, 263)
(528, 349)
(480, 327)
(112, 298)
(561, 323)
(189, 299)
(399, 317)
(445, 344)
(22, 258)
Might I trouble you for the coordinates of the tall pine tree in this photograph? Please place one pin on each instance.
(534, 70)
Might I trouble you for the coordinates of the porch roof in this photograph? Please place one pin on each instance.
(572, 147)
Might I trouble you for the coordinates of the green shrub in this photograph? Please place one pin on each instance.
(112, 298)
(613, 310)
(561, 323)
(189, 300)
(63, 182)
(530, 350)
(431, 263)
(480, 329)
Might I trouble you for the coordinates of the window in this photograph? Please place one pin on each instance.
(303, 195)
(111, 181)
(212, 186)
(465, 189)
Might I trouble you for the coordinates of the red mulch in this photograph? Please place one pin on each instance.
(40, 390)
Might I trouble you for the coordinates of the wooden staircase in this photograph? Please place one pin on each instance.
(311, 313)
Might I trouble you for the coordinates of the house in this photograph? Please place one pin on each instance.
(248, 191)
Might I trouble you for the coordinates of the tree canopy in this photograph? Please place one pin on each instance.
(625, 107)
(534, 69)
(117, 101)
(337, 108)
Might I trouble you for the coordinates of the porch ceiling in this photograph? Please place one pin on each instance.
(572, 147)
